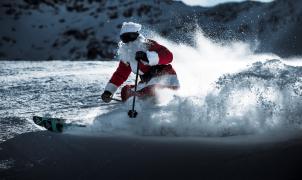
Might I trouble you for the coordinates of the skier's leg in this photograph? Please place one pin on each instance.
(126, 92)
(145, 92)
(150, 91)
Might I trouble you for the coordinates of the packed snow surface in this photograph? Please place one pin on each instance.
(226, 90)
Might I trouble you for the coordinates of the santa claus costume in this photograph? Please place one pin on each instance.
(155, 70)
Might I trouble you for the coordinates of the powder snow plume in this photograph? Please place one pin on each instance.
(226, 89)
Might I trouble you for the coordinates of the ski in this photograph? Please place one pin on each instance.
(54, 124)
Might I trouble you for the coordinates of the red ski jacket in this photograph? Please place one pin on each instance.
(157, 55)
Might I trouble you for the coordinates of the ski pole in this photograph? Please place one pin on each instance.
(132, 113)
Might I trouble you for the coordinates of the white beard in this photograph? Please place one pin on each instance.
(127, 51)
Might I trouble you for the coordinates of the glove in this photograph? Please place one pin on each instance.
(141, 56)
(106, 96)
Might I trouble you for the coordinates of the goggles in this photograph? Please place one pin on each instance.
(128, 37)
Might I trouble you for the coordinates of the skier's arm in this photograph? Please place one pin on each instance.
(158, 54)
(119, 77)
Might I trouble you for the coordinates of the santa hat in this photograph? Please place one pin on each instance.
(130, 27)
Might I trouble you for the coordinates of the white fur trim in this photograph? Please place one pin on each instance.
(130, 27)
(111, 88)
(152, 57)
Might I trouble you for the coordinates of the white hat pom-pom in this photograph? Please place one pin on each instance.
(130, 27)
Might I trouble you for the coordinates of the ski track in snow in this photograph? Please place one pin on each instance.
(226, 90)
(64, 89)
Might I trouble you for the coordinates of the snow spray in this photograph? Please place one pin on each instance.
(226, 89)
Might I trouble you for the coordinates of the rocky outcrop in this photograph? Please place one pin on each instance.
(89, 29)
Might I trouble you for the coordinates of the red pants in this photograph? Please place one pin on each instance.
(160, 77)
(128, 91)
(149, 91)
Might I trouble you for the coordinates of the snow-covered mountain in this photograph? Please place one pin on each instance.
(89, 29)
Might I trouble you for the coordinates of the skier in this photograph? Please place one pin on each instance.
(153, 59)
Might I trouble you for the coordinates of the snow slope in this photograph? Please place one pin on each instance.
(237, 115)
(245, 93)
(89, 29)
(47, 155)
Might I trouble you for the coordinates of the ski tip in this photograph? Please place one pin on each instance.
(37, 119)
(51, 124)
